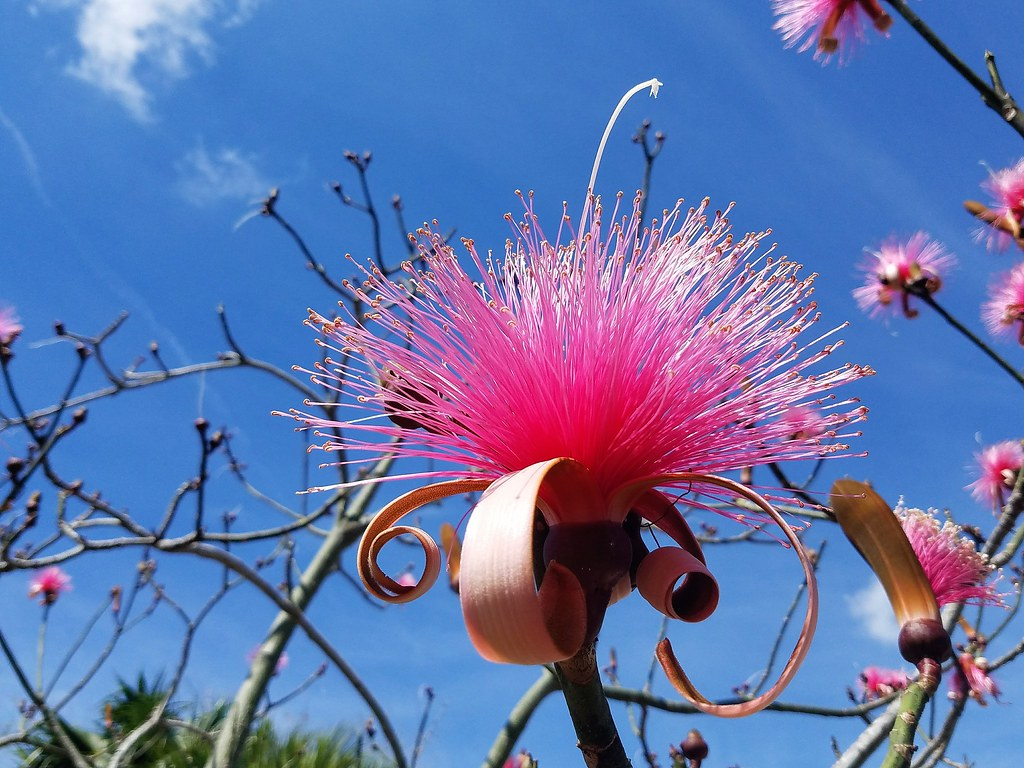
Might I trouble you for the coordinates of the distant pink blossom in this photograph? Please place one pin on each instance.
(406, 578)
(955, 569)
(829, 26)
(523, 760)
(1004, 215)
(9, 325)
(997, 467)
(975, 682)
(877, 682)
(279, 665)
(899, 270)
(1003, 313)
(48, 584)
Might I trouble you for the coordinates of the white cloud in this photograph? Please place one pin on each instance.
(206, 178)
(126, 43)
(871, 607)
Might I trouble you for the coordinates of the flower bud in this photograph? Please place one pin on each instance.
(922, 638)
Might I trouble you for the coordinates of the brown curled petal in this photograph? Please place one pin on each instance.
(668, 660)
(659, 510)
(452, 548)
(564, 607)
(400, 593)
(870, 525)
(693, 600)
(508, 619)
(376, 536)
(622, 590)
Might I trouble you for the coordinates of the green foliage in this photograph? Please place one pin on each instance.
(177, 741)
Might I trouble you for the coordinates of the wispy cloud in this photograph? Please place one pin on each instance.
(28, 157)
(206, 178)
(871, 608)
(128, 44)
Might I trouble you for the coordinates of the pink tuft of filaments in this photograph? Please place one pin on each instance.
(48, 585)
(997, 469)
(899, 270)
(9, 325)
(955, 569)
(828, 26)
(1004, 215)
(634, 351)
(1003, 313)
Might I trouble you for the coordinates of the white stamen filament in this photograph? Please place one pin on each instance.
(654, 84)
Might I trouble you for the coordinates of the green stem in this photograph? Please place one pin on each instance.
(519, 717)
(912, 704)
(997, 99)
(41, 647)
(588, 707)
(928, 299)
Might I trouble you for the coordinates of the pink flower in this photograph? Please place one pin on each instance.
(9, 325)
(279, 666)
(898, 270)
(876, 682)
(954, 567)
(1003, 313)
(579, 375)
(829, 25)
(998, 466)
(49, 584)
(1005, 212)
(975, 681)
(523, 760)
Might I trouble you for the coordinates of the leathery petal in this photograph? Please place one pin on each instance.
(507, 617)
(383, 529)
(697, 596)
(628, 494)
(870, 525)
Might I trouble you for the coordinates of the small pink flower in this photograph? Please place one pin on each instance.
(998, 466)
(975, 681)
(954, 567)
(1005, 212)
(1003, 313)
(830, 25)
(279, 666)
(9, 325)
(406, 578)
(876, 682)
(899, 270)
(523, 760)
(49, 584)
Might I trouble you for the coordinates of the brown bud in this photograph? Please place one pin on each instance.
(14, 466)
(921, 639)
(694, 748)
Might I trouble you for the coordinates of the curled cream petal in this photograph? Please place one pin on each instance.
(656, 578)
(506, 616)
(382, 529)
(870, 525)
(697, 596)
(628, 495)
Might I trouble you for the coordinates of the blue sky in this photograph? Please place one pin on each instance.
(135, 136)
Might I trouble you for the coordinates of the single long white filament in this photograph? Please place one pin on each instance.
(654, 84)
